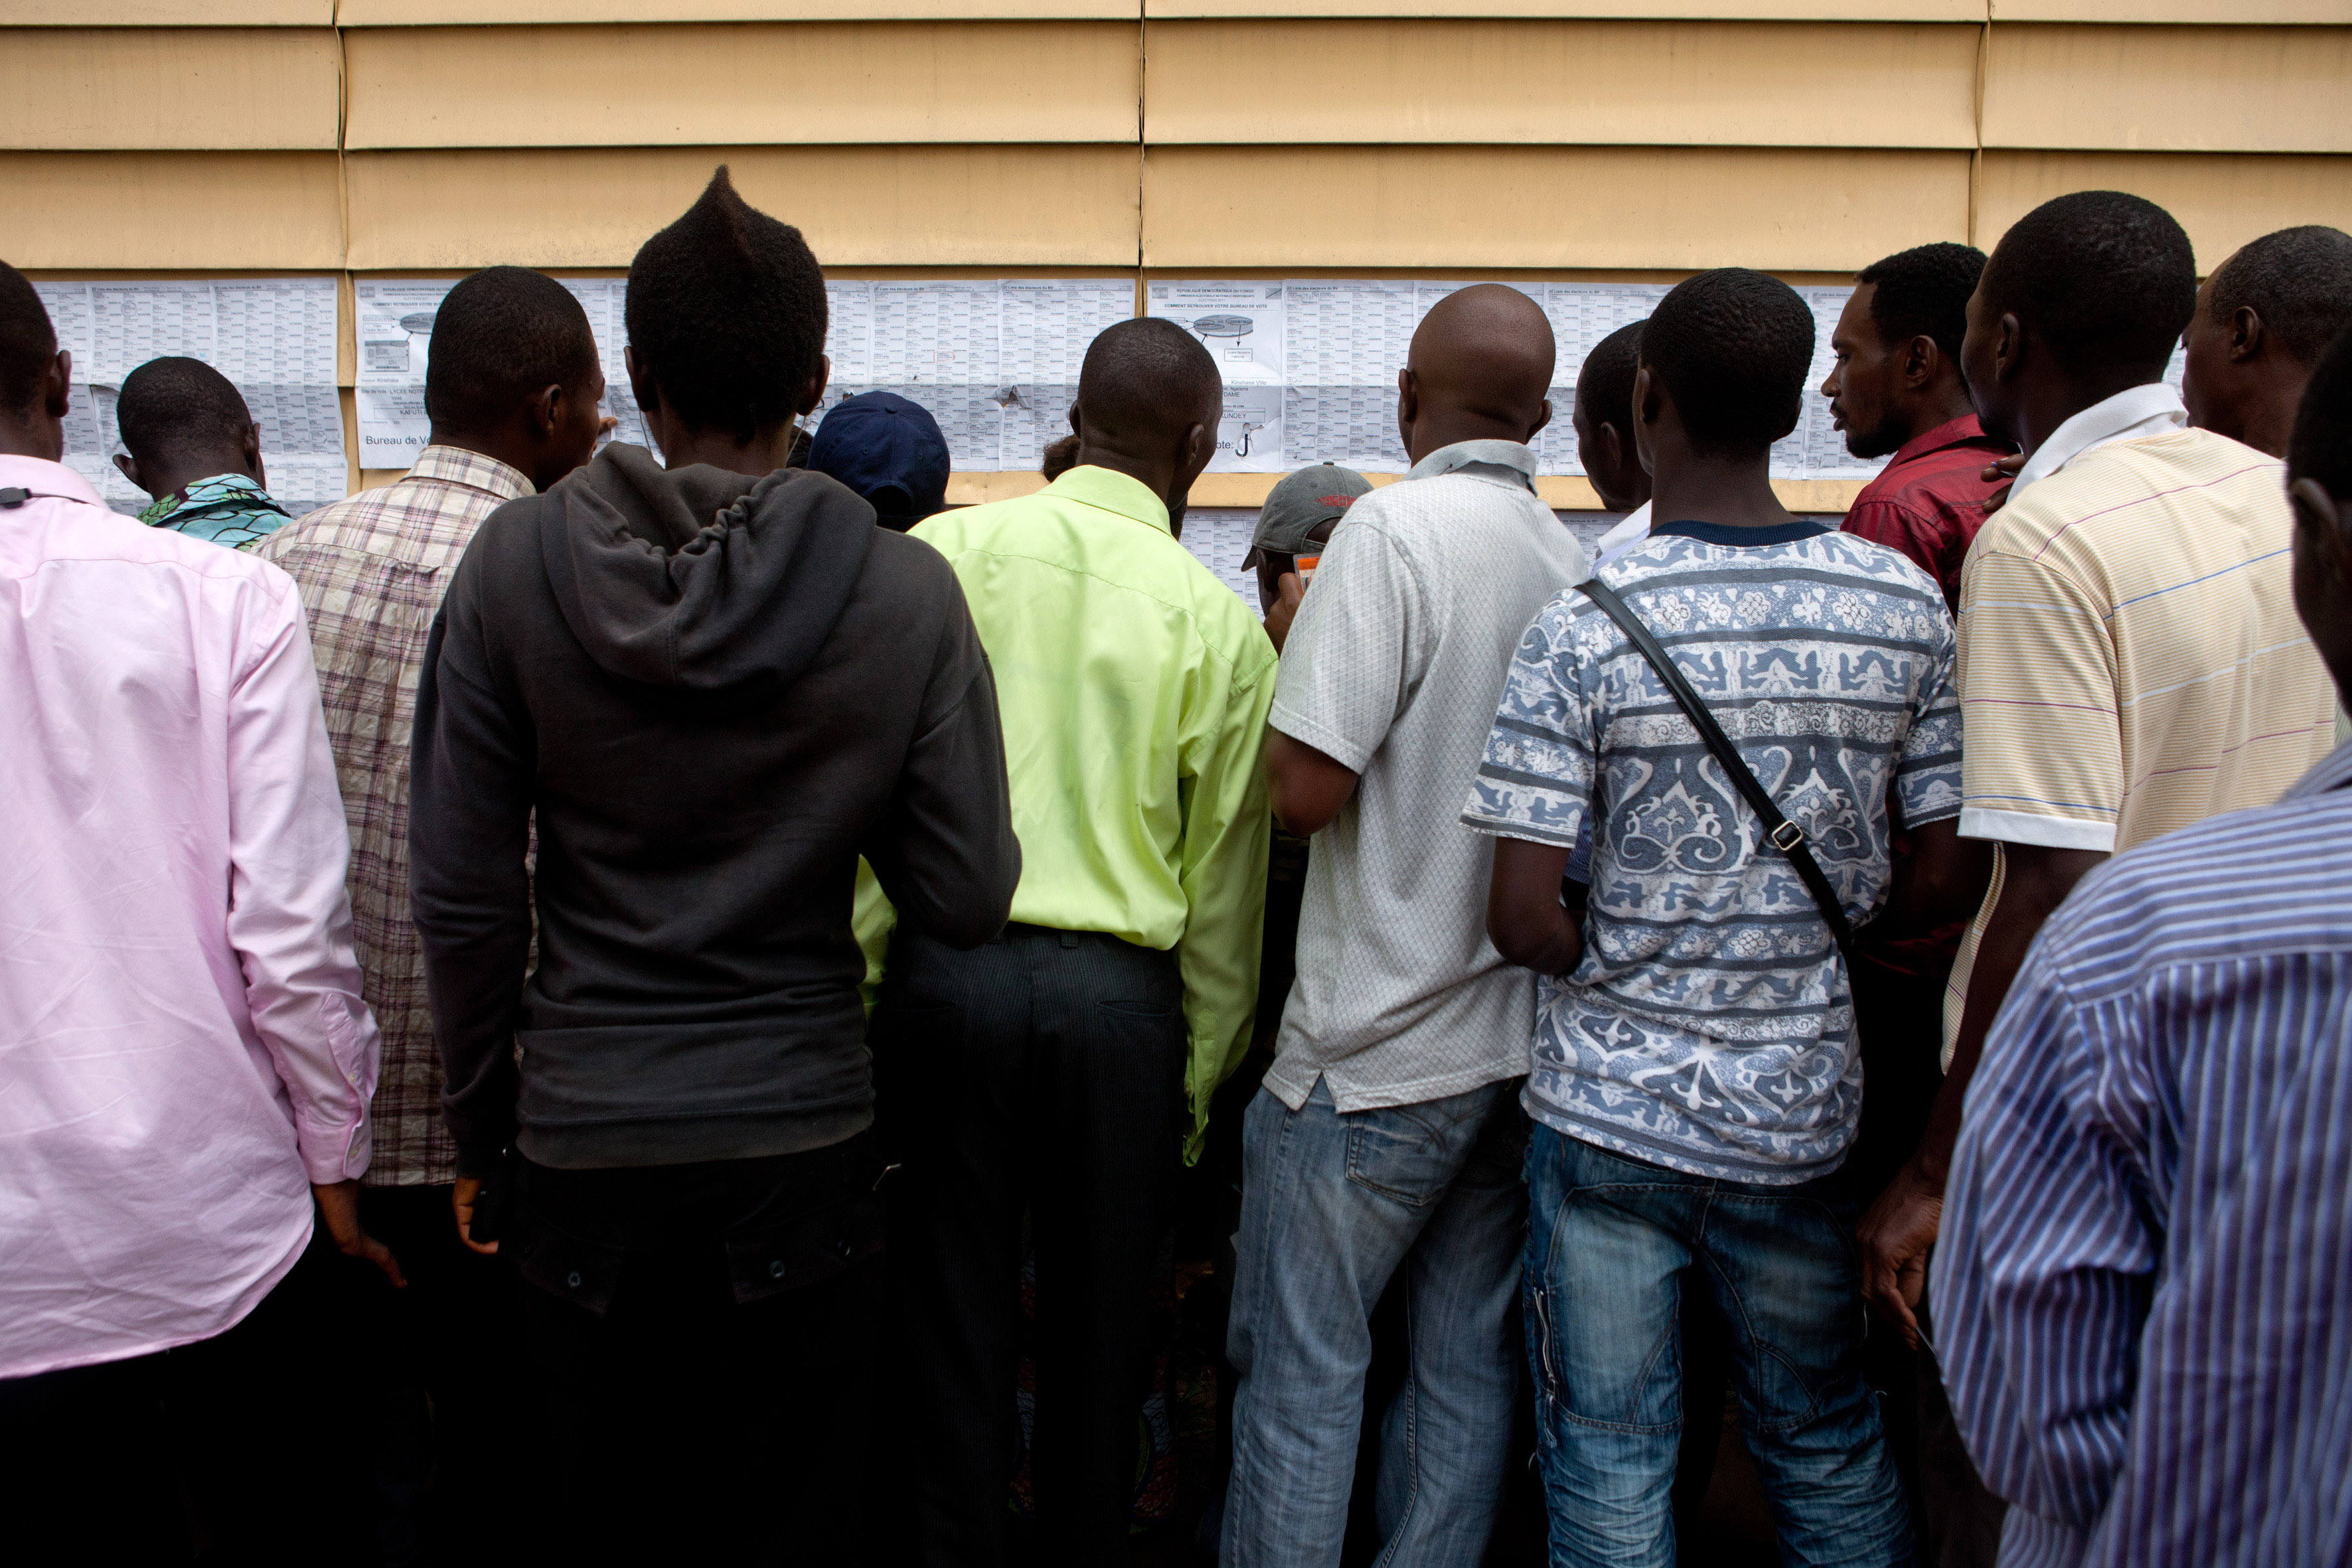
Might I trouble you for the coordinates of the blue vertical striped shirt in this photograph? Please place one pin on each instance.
(2145, 1279)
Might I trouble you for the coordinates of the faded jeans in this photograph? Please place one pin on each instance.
(1332, 1206)
(1617, 1250)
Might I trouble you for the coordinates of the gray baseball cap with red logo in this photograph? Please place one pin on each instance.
(1301, 502)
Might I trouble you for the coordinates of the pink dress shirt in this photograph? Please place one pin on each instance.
(183, 1046)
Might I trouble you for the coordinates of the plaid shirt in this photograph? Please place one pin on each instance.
(372, 570)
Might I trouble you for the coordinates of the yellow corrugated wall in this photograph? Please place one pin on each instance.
(1595, 139)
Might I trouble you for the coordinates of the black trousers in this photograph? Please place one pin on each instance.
(1042, 1072)
(701, 1343)
(236, 1449)
(448, 1349)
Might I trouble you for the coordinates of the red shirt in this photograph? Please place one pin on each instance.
(1928, 502)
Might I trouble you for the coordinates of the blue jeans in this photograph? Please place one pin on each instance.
(1332, 1206)
(1612, 1244)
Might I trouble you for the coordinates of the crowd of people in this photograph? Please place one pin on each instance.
(628, 1006)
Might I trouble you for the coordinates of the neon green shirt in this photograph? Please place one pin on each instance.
(1134, 687)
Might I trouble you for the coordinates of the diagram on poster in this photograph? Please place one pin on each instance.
(1240, 323)
(273, 337)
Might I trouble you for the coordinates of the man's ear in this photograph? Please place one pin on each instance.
(2319, 522)
(128, 466)
(1613, 445)
(1408, 396)
(2245, 334)
(1542, 419)
(2007, 347)
(642, 385)
(814, 394)
(250, 448)
(1921, 359)
(57, 385)
(544, 408)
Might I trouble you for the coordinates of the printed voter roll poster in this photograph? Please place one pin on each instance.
(394, 334)
(1240, 323)
(274, 338)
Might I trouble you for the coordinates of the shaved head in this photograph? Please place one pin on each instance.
(1145, 381)
(1486, 350)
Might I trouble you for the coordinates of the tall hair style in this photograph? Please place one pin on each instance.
(2321, 447)
(2298, 280)
(28, 343)
(727, 312)
(502, 335)
(1734, 348)
(1924, 292)
(1605, 384)
(2103, 278)
(176, 409)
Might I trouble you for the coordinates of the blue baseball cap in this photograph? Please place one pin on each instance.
(889, 450)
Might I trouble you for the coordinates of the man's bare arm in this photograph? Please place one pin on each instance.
(1901, 1225)
(1525, 918)
(1307, 787)
(1941, 879)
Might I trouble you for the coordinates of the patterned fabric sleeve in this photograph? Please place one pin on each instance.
(1536, 779)
(1928, 777)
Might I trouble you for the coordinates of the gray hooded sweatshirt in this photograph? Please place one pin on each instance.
(713, 693)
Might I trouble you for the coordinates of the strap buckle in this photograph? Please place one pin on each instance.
(1787, 836)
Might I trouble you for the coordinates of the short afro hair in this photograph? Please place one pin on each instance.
(1605, 382)
(1146, 376)
(2298, 280)
(2321, 447)
(1924, 292)
(181, 410)
(1734, 348)
(499, 336)
(727, 312)
(28, 343)
(2105, 278)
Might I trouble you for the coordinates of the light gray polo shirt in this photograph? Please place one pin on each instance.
(1394, 668)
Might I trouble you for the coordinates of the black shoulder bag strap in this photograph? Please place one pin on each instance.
(1785, 836)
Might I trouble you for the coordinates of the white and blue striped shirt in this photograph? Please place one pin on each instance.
(2145, 1279)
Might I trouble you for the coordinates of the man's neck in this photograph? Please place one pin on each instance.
(178, 477)
(2267, 414)
(1736, 492)
(514, 453)
(758, 457)
(2047, 405)
(1937, 407)
(1159, 478)
(25, 438)
(1434, 432)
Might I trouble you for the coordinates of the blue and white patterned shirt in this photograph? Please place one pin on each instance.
(2145, 1279)
(1710, 1027)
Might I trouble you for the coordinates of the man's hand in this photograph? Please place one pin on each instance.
(1290, 590)
(2000, 471)
(1895, 1237)
(462, 1199)
(340, 1204)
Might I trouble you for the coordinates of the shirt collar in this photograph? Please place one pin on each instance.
(43, 478)
(457, 466)
(1112, 491)
(1965, 431)
(2150, 410)
(215, 489)
(1506, 462)
(2334, 770)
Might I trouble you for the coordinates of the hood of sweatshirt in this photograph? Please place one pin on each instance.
(710, 581)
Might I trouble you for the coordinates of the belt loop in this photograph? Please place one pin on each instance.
(1069, 939)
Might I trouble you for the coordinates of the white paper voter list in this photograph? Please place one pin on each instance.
(274, 337)
(993, 360)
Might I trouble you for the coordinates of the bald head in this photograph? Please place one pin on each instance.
(1480, 366)
(1145, 381)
